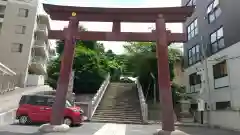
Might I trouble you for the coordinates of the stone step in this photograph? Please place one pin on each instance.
(125, 121)
(136, 117)
(118, 110)
(118, 113)
(119, 107)
(120, 104)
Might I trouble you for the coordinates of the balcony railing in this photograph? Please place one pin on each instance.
(8, 79)
(40, 43)
(42, 27)
(7, 83)
(3, 2)
(38, 59)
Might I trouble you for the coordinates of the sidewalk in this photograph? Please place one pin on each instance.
(10, 100)
(184, 124)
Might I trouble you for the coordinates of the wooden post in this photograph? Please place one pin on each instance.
(116, 26)
(164, 75)
(66, 69)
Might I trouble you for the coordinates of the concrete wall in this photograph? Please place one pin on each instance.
(84, 97)
(35, 80)
(230, 85)
(226, 119)
(222, 89)
(17, 61)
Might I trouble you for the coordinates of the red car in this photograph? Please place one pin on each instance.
(37, 109)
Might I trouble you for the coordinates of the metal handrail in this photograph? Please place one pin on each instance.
(38, 59)
(98, 96)
(143, 104)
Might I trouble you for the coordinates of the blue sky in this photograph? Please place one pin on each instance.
(126, 27)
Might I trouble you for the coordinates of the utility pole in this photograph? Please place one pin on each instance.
(205, 78)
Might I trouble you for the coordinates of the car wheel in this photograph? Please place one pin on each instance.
(24, 120)
(68, 121)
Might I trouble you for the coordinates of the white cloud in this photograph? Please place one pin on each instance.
(126, 27)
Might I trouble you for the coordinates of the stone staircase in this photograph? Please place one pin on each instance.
(120, 104)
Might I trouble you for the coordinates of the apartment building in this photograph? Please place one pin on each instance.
(24, 45)
(211, 60)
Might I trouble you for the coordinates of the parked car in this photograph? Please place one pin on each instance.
(126, 80)
(38, 108)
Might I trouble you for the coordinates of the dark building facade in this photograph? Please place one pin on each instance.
(214, 26)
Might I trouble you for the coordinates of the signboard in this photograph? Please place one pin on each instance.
(201, 105)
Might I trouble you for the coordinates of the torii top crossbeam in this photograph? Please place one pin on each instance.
(171, 14)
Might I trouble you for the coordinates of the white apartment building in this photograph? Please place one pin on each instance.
(24, 45)
(219, 88)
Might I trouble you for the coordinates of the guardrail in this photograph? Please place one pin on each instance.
(7, 79)
(91, 106)
(143, 104)
(98, 96)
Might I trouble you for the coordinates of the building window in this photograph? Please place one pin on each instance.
(217, 40)
(20, 29)
(223, 105)
(192, 29)
(220, 70)
(194, 55)
(191, 3)
(194, 79)
(213, 11)
(16, 47)
(23, 12)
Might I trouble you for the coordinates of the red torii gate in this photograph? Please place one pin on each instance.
(117, 15)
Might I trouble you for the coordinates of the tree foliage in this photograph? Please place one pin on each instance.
(142, 62)
(91, 65)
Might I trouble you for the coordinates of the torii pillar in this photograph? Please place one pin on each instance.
(66, 70)
(163, 75)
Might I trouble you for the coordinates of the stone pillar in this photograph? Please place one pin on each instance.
(65, 71)
(164, 76)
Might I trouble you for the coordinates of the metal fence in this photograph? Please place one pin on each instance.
(7, 79)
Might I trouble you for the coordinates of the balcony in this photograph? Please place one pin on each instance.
(40, 48)
(2, 11)
(3, 2)
(42, 31)
(38, 65)
(43, 19)
(42, 28)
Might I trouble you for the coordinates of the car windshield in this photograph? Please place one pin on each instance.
(68, 104)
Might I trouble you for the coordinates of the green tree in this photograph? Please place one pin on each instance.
(142, 62)
(90, 66)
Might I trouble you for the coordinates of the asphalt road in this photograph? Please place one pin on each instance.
(109, 129)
